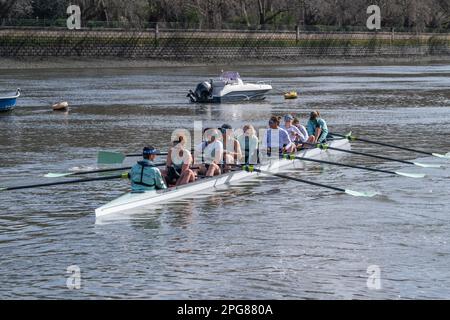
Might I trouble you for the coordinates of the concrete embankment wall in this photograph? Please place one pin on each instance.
(176, 44)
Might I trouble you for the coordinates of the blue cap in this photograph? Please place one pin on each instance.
(288, 117)
(149, 151)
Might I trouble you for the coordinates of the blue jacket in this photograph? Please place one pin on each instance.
(145, 176)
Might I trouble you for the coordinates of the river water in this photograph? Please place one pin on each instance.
(267, 238)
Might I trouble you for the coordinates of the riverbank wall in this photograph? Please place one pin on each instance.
(211, 45)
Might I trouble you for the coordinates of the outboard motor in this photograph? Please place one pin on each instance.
(202, 92)
(191, 96)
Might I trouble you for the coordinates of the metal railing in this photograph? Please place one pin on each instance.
(127, 25)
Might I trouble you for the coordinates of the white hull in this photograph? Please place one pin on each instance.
(229, 88)
(129, 201)
(241, 92)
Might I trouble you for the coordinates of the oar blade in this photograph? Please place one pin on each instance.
(108, 157)
(367, 194)
(411, 175)
(58, 175)
(442, 156)
(427, 165)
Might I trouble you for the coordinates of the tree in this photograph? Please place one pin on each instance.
(416, 14)
(267, 11)
(6, 8)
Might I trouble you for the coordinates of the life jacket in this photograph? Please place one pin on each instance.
(144, 165)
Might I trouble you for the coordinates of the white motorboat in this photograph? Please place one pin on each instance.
(228, 88)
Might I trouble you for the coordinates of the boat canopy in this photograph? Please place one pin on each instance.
(230, 75)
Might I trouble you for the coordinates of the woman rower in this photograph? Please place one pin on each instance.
(179, 160)
(276, 140)
(232, 153)
(211, 151)
(318, 127)
(250, 143)
(303, 137)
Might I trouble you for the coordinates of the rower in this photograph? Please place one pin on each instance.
(232, 152)
(249, 142)
(294, 133)
(276, 138)
(301, 136)
(144, 175)
(318, 127)
(296, 122)
(178, 162)
(212, 152)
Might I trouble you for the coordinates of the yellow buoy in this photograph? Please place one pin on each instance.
(291, 95)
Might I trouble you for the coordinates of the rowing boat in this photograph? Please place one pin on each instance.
(8, 103)
(130, 201)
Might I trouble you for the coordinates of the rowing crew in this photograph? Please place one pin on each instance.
(220, 150)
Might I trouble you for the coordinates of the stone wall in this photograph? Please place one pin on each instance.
(176, 44)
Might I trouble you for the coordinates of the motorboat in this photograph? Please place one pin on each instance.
(228, 88)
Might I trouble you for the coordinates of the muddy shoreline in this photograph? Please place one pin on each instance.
(81, 63)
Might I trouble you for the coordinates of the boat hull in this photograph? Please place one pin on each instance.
(234, 96)
(7, 104)
(241, 96)
(130, 201)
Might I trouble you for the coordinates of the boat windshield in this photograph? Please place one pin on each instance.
(230, 76)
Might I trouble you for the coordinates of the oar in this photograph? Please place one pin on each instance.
(78, 173)
(124, 175)
(347, 191)
(324, 146)
(353, 138)
(409, 175)
(111, 157)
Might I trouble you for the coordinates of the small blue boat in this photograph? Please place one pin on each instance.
(8, 103)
